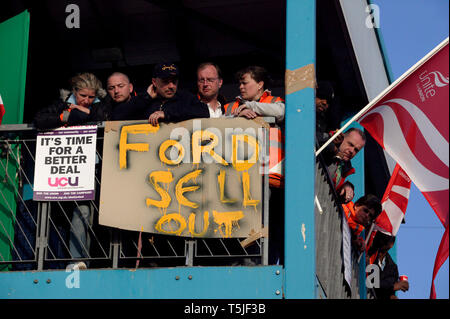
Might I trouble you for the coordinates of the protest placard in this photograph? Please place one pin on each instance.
(65, 164)
(197, 178)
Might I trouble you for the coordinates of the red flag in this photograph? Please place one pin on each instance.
(411, 122)
(394, 202)
(2, 110)
(441, 256)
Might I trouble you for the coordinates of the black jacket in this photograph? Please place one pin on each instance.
(388, 277)
(133, 109)
(183, 106)
(49, 117)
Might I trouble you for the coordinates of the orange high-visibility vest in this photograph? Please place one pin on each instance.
(265, 98)
(276, 142)
(349, 210)
(276, 158)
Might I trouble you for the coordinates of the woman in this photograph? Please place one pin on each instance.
(255, 100)
(82, 105)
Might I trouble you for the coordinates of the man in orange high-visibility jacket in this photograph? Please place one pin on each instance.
(360, 216)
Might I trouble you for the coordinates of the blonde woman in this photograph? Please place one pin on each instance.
(81, 105)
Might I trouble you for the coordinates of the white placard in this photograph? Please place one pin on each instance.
(65, 164)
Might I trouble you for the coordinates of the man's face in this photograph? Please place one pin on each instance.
(364, 215)
(321, 105)
(350, 146)
(208, 82)
(165, 88)
(119, 88)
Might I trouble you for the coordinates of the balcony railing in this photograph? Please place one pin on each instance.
(36, 235)
(329, 238)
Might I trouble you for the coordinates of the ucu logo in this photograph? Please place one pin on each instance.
(63, 181)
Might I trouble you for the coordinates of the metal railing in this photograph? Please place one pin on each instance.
(37, 235)
(329, 238)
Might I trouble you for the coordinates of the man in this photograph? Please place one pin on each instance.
(339, 162)
(209, 82)
(378, 254)
(119, 87)
(122, 101)
(360, 216)
(324, 98)
(166, 102)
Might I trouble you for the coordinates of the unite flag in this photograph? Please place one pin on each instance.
(411, 122)
(394, 202)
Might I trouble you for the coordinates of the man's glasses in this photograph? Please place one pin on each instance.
(207, 80)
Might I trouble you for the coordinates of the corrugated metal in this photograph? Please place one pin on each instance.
(329, 255)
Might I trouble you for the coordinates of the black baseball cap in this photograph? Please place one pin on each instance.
(165, 70)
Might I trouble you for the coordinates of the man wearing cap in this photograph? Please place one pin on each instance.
(166, 103)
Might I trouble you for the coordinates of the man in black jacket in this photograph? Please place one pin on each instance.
(389, 279)
(124, 102)
(167, 104)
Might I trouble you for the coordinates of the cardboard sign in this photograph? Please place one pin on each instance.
(65, 164)
(198, 178)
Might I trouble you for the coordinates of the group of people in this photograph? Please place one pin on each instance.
(361, 214)
(162, 102)
(88, 102)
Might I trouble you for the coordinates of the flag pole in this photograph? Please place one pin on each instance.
(384, 93)
(367, 239)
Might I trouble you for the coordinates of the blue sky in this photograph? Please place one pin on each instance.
(410, 29)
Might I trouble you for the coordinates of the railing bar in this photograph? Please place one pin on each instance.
(59, 235)
(91, 229)
(83, 247)
(29, 151)
(15, 221)
(170, 245)
(26, 237)
(18, 194)
(224, 246)
(207, 247)
(239, 245)
(154, 247)
(9, 238)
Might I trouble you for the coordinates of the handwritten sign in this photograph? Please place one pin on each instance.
(198, 178)
(65, 164)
